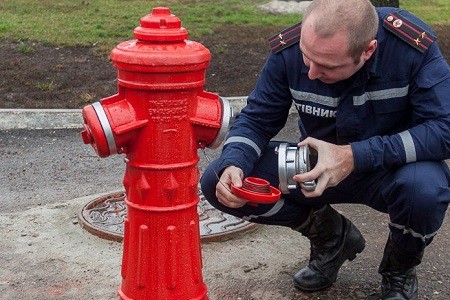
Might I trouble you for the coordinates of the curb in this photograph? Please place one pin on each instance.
(65, 118)
(40, 119)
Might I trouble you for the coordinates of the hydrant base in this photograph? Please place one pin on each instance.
(104, 216)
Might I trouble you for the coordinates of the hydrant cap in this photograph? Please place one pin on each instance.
(160, 26)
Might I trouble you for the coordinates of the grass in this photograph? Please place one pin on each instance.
(108, 22)
(431, 11)
(25, 48)
(46, 86)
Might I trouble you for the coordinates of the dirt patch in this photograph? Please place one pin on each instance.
(33, 75)
(41, 76)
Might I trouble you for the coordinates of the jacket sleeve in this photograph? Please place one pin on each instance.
(261, 119)
(428, 137)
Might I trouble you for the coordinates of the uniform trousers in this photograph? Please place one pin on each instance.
(415, 196)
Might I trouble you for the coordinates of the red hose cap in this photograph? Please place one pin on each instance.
(160, 26)
(257, 190)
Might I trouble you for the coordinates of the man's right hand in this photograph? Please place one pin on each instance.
(231, 175)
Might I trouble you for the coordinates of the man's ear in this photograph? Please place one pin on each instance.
(369, 50)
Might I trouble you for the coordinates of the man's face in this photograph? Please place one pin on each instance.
(327, 58)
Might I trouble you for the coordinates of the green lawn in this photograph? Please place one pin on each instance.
(107, 22)
(431, 11)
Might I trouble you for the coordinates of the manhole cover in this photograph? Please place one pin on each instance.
(104, 216)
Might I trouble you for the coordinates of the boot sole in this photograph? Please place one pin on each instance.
(310, 290)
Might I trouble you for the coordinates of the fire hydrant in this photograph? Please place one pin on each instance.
(159, 118)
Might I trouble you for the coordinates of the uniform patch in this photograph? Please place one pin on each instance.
(285, 38)
(408, 31)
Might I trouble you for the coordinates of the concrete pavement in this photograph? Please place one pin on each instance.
(48, 175)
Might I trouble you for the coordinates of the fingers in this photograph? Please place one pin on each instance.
(308, 176)
(318, 173)
(230, 175)
(236, 177)
(334, 164)
(312, 142)
(321, 185)
(227, 198)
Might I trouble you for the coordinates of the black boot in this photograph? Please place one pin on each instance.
(334, 239)
(399, 273)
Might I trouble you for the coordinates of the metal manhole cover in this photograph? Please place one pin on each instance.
(104, 216)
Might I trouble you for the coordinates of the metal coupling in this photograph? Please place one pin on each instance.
(293, 160)
(227, 116)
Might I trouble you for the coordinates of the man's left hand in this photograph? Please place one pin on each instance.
(334, 164)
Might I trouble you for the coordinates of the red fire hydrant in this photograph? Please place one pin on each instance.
(159, 118)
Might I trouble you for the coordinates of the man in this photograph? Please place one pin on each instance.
(373, 94)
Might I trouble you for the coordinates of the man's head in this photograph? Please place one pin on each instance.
(338, 37)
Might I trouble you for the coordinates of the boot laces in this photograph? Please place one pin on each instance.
(399, 282)
(317, 249)
(321, 251)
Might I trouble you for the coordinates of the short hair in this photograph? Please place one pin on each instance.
(358, 17)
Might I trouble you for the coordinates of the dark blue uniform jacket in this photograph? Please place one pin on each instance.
(395, 110)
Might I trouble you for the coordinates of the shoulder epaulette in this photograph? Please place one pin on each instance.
(285, 38)
(408, 31)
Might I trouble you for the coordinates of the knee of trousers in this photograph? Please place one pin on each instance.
(420, 187)
(417, 199)
(208, 182)
(282, 213)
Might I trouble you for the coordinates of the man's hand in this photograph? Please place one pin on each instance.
(334, 164)
(231, 175)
